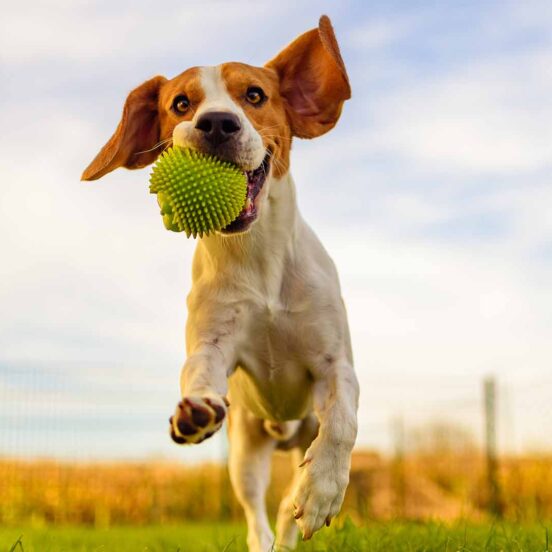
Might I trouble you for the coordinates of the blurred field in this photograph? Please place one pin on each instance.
(199, 537)
(423, 486)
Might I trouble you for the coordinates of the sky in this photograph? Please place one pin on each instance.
(433, 195)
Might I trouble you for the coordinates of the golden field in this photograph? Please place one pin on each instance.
(421, 486)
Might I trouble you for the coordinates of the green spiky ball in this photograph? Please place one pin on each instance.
(197, 193)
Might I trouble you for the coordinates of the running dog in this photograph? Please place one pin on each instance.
(267, 338)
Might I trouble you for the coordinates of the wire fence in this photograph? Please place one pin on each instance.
(55, 413)
(74, 452)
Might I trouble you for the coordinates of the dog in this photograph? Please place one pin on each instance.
(267, 329)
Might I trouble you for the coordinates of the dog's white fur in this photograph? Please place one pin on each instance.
(279, 359)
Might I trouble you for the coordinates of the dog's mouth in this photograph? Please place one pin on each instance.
(255, 181)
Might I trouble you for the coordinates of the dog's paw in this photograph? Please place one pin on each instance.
(319, 493)
(197, 418)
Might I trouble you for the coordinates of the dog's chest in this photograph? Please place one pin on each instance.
(273, 377)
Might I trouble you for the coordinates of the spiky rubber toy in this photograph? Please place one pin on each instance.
(197, 193)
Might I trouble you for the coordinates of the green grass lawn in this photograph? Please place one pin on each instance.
(377, 537)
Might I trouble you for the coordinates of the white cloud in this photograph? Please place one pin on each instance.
(492, 116)
(379, 33)
(113, 33)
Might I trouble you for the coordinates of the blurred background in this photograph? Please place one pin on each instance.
(433, 196)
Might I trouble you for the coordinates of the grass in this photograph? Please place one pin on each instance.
(203, 537)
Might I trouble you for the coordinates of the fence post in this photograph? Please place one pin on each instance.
(495, 503)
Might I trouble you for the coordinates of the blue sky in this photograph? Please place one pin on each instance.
(433, 195)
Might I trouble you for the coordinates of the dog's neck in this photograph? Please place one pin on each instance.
(272, 234)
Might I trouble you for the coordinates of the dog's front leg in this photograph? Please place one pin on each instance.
(203, 385)
(325, 467)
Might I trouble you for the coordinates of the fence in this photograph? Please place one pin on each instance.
(447, 462)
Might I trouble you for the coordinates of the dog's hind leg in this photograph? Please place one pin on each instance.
(249, 463)
(286, 527)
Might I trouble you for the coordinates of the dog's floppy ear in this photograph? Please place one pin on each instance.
(137, 132)
(313, 81)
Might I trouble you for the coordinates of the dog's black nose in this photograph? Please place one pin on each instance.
(218, 126)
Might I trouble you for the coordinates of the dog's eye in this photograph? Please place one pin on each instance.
(180, 104)
(255, 95)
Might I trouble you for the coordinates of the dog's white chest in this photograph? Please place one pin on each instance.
(272, 377)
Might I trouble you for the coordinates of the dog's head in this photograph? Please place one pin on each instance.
(244, 114)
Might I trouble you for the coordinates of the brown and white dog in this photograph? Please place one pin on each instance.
(267, 327)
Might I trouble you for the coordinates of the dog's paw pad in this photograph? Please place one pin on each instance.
(197, 419)
(174, 436)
